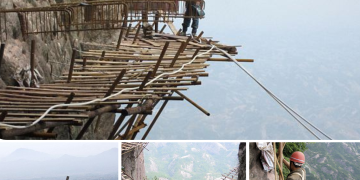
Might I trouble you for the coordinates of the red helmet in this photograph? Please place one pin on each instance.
(298, 157)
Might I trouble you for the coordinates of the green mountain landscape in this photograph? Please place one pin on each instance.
(333, 161)
(170, 161)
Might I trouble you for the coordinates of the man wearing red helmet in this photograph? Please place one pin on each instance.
(297, 159)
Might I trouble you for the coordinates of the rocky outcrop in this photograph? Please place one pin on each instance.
(51, 53)
(242, 161)
(256, 170)
(52, 56)
(133, 163)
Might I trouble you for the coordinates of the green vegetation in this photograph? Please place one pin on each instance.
(333, 161)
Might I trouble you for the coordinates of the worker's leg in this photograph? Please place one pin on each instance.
(195, 26)
(186, 24)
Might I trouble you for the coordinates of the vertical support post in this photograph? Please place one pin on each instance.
(71, 66)
(160, 58)
(275, 159)
(84, 62)
(137, 34)
(2, 49)
(162, 29)
(102, 55)
(120, 38)
(32, 63)
(281, 157)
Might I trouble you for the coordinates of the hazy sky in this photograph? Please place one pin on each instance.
(305, 51)
(58, 148)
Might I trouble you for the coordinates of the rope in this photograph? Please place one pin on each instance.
(292, 112)
(106, 98)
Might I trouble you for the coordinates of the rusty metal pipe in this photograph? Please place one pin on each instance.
(71, 66)
(32, 63)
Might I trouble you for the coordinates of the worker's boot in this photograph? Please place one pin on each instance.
(183, 34)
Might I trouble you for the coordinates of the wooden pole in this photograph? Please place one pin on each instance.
(120, 38)
(160, 59)
(68, 101)
(162, 29)
(116, 82)
(177, 54)
(117, 124)
(200, 35)
(146, 79)
(281, 156)
(193, 103)
(155, 118)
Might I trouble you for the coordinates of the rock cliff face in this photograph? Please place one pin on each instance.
(242, 161)
(133, 164)
(50, 51)
(256, 170)
(52, 56)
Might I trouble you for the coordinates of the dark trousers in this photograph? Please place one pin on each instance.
(195, 24)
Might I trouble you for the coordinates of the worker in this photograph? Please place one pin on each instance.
(297, 160)
(193, 9)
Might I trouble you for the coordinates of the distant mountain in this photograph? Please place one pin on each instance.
(327, 161)
(24, 164)
(27, 154)
(190, 160)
